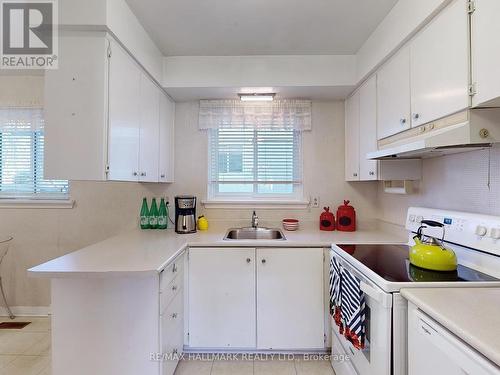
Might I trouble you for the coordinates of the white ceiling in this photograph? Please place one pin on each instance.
(259, 27)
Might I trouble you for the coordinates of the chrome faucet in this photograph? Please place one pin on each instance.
(255, 220)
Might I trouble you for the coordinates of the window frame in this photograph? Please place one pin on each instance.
(215, 198)
(33, 199)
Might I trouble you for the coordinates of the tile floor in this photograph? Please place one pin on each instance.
(27, 352)
(276, 366)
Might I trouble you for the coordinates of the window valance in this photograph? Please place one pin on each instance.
(275, 115)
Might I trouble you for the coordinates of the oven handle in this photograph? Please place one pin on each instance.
(382, 298)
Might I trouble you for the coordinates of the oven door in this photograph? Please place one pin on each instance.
(375, 358)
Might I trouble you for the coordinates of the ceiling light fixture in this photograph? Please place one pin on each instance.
(257, 97)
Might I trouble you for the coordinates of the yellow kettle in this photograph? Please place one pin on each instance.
(430, 253)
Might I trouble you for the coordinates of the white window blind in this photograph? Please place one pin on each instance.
(22, 154)
(255, 162)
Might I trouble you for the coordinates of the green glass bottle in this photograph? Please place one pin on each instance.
(144, 214)
(162, 215)
(153, 215)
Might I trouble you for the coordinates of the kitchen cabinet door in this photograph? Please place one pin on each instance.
(75, 109)
(352, 138)
(368, 169)
(221, 298)
(485, 30)
(393, 95)
(440, 66)
(149, 130)
(124, 116)
(290, 301)
(167, 117)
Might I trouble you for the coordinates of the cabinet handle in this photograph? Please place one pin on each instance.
(263, 261)
(174, 351)
(371, 173)
(402, 121)
(426, 330)
(174, 268)
(416, 116)
(162, 175)
(249, 260)
(143, 174)
(422, 129)
(174, 316)
(174, 288)
(355, 175)
(135, 174)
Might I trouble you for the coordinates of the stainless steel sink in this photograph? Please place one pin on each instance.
(254, 234)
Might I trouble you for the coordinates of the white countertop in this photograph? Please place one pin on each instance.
(472, 314)
(149, 251)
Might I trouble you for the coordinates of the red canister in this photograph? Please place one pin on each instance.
(346, 218)
(327, 220)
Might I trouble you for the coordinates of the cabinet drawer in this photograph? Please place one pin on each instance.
(168, 293)
(172, 334)
(171, 271)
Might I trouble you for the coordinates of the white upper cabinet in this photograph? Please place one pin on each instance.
(149, 130)
(393, 95)
(440, 66)
(485, 31)
(104, 118)
(74, 110)
(166, 144)
(124, 117)
(352, 137)
(368, 169)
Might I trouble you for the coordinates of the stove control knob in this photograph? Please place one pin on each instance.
(481, 231)
(495, 233)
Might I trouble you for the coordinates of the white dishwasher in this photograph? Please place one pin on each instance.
(432, 349)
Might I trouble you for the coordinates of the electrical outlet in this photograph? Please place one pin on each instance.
(314, 202)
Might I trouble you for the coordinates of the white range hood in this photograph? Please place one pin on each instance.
(462, 132)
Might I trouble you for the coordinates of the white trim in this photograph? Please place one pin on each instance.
(26, 311)
(261, 204)
(36, 203)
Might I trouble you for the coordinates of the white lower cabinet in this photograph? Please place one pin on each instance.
(221, 298)
(432, 349)
(246, 298)
(290, 306)
(171, 316)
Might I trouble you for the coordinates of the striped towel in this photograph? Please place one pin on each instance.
(347, 304)
(353, 309)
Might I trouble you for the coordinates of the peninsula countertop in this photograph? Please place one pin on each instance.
(143, 252)
(469, 313)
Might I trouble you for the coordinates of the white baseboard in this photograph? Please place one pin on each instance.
(26, 310)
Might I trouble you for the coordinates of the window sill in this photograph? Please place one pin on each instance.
(260, 204)
(36, 203)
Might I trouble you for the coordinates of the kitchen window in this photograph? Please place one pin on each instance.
(255, 150)
(22, 144)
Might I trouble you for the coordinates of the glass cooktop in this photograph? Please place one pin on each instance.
(391, 262)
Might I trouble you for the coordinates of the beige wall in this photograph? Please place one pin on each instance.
(102, 210)
(462, 182)
(105, 209)
(323, 160)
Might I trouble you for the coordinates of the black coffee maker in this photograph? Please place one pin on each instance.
(185, 214)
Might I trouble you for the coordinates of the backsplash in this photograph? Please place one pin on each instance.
(468, 181)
